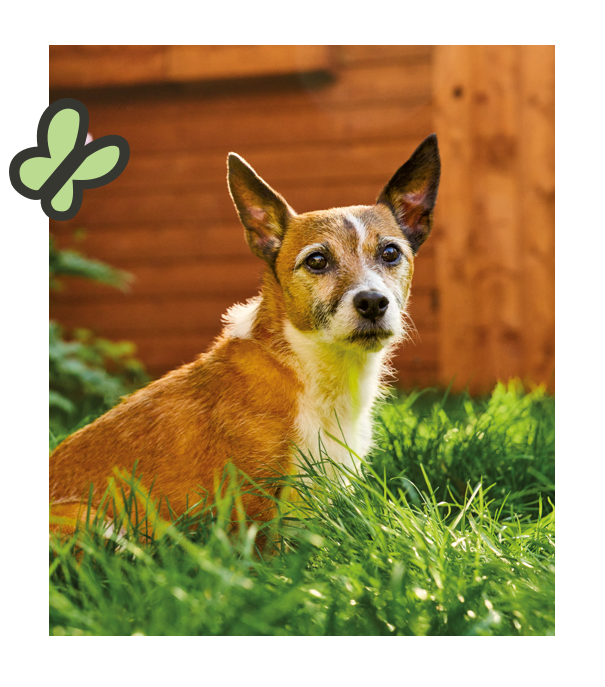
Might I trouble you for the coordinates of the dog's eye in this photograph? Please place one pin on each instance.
(391, 254)
(317, 262)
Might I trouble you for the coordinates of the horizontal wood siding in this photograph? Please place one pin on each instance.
(110, 65)
(168, 218)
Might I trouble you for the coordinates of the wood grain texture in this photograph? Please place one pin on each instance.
(169, 220)
(494, 109)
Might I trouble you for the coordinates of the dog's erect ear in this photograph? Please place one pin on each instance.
(262, 211)
(411, 193)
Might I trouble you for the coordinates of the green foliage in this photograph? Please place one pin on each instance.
(88, 374)
(376, 555)
(71, 263)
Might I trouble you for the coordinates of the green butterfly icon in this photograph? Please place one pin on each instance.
(61, 166)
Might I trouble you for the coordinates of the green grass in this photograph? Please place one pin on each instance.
(448, 529)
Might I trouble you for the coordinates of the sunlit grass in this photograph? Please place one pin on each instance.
(441, 532)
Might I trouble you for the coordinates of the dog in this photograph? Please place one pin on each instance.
(306, 358)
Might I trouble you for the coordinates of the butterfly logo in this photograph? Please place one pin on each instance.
(62, 165)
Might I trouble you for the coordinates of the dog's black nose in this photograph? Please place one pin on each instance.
(371, 304)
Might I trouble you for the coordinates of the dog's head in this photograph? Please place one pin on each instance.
(345, 273)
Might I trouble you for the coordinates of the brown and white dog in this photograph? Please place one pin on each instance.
(307, 355)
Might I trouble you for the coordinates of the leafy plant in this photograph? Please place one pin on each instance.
(87, 374)
(71, 263)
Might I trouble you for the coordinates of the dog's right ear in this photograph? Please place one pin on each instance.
(262, 211)
(412, 191)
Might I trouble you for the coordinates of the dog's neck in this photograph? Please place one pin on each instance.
(336, 379)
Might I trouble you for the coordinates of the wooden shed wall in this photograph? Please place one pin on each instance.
(331, 136)
(327, 126)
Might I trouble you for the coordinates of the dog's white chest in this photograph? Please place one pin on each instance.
(317, 425)
(337, 398)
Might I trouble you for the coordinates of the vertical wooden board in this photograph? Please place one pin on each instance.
(486, 297)
(494, 121)
(424, 267)
(537, 199)
(452, 232)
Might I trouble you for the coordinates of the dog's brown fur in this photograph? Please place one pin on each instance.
(259, 389)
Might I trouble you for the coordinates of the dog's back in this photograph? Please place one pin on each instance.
(236, 403)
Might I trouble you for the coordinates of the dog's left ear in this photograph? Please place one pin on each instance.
(411, 193)
(263, 212)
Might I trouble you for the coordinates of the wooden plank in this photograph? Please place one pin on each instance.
(424, 270)
(364, 54)
(180, 278)
(415, 373)
(537, 202)
(166, 126)
(495, 271)
(101, 65)
(495, 127)
(417, 363)
(191, 314)
(160, 242)
(424, 318)
(371, 84)
(422, 347)
(453, 230)
(103, 206)
(412, 378)
(378, 83)
(105, 65)
(189, 62)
